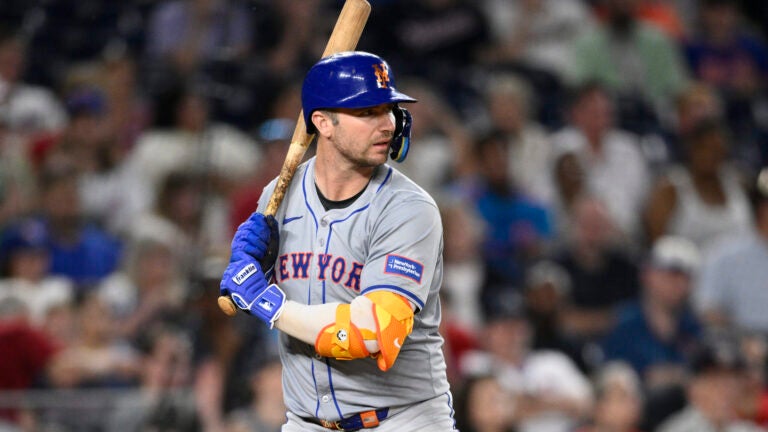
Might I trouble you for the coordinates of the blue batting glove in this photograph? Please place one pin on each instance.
(257, 238)
(247, 285)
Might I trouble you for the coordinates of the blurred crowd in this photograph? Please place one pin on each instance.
(599, 165)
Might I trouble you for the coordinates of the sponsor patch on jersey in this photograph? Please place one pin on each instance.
(245, 273)
(402, 266)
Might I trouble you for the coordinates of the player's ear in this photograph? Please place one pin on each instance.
(323, 122)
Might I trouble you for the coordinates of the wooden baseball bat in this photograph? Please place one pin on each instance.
(346, 33)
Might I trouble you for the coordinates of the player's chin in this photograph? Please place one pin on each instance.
(379, 153)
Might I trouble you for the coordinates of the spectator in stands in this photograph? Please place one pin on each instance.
(78, 248)
(27, 109)
(28, 354)
(105, 181)
(569, 183)
(444, 141)
(26, 271)
(128, 110)
(632, 58)
(713, 392)
(616, 170)
(223, 347)
(697, 103)
(274, 136)
(550, 393)
(286, 35)
(731, 290)
(463, 269)
(18, 189)
(619, 400)
(163, 400)
(516, 227)
(182, 220)
(724, 53)
(656, 333)
(458, 339)
(266, 412)
(185, 139)
(602, 273)
(753, 404)
(704, 199)
(433, 39)
(482, 405)
(535, 33)
(664, 15)
(97, 357)
(546, 289)
(148, 288)
(191, 33)
(510, 108)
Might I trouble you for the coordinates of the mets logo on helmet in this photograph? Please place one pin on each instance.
(382, 75)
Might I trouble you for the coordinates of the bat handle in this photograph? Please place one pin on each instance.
(227, 306)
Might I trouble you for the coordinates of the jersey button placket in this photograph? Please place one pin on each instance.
(325, 398)
(323, 232)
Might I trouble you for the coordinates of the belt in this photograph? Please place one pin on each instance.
(363, 420)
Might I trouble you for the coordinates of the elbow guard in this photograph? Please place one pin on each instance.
(390, 322)
(394, 322)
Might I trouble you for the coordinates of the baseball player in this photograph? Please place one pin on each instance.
(354, 255)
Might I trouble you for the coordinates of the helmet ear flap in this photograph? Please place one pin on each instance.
(401, 140)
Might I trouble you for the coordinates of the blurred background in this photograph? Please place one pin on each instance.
(597, 164)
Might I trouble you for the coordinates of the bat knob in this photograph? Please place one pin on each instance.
(227, 306)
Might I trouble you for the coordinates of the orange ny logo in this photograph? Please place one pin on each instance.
(382, 75)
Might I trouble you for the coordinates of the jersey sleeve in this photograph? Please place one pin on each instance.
(406, 244)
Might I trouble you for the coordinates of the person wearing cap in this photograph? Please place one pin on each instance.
(713, 391)
(618, 400)
(551, 394)
(25, 264)
(547, 286)
(654, 333)
(732, 289)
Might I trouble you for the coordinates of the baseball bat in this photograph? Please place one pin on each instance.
(344, 37)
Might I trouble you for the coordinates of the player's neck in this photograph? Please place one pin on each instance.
(340, 183)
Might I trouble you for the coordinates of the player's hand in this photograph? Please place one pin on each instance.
(245, 282)
(257, 238)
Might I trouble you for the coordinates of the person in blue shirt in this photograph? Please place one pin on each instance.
(76, 248)
(657, 333)
(516, 226)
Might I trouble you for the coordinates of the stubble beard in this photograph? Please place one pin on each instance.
(359, 158)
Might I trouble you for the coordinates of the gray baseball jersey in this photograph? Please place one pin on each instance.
(389, 239)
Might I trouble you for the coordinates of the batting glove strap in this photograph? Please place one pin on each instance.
(267, 305)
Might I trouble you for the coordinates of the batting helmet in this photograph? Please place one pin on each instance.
(352, 79)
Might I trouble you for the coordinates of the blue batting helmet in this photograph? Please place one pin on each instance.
(352, 79)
